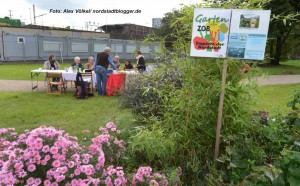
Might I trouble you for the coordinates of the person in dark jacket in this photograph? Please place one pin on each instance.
(128, 65)
(102, 60)
(141, 65)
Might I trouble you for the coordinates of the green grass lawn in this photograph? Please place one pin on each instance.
(274, 98)
(30, 110)
(291, 67)
(22, 71)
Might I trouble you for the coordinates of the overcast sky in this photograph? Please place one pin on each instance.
(21, 9)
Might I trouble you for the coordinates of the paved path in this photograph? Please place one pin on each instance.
(25, 86)
(279, 79)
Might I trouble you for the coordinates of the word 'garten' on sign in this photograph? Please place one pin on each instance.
(210, 32)
(246, 40)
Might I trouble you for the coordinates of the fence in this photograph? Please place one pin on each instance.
(24, 46)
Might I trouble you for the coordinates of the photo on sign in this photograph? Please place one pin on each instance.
(249, 21)
(236, 52)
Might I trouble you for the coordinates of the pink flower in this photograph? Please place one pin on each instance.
(89, 172)
(153, 182)
(18, 166)
(56, 163)
(120, 173)
(77, 172)
(47, 157)
(31, 168)
(38, 145)
(47, 182)
(44, 162)
(113, 129)
(71, 164)
(110, 125)
(118, 131)
(101, 160)
(54, 184)
(54, 150)
(165, 182)
(45, 149)
(22, 174)
(30, 181)
(107, 180)
(74, 182)
(85, 161)
(118, 182)
(60, 178)
(38, 181)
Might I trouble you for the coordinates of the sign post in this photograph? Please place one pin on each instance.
(220, 111)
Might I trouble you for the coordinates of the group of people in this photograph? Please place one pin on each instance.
(104, 59)
(100, 64)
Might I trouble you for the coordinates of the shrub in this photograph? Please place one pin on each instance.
(46, 156)
(144, 94)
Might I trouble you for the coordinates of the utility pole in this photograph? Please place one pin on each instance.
(30, 16)
(10, 14)
(34, 19)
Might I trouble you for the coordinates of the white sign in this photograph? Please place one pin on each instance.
(248, 34)
(210, 32)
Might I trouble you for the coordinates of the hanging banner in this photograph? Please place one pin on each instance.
(248, 34)
(210, 32)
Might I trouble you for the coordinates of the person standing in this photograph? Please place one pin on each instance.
(141, 65)
(52, 64)
(102, 60)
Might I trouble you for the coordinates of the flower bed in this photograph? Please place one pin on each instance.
(47, 156)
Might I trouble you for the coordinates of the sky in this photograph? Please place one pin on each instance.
(23, 9)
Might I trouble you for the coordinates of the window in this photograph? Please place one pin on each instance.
(144, 49)
(52, 46)
(21, 40)
(99, 47)
(130, 48)
(80, 47)
(117, 48)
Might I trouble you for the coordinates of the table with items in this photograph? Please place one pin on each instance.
(68, 75)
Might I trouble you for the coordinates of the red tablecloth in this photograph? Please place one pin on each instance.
(114, 84)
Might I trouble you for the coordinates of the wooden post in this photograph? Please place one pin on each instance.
(220, 113)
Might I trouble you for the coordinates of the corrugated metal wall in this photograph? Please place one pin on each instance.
(24, 46)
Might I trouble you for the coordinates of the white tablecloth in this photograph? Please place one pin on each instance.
(69, 76)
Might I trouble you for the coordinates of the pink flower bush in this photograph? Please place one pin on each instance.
(46, 156)
(145, 175)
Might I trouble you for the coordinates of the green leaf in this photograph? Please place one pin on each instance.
(295, 172)
(284, 22)
(279, 181)
(293, 181)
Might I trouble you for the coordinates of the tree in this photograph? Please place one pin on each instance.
(284, 18)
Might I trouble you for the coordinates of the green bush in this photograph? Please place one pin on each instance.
(144, 95)
(188, 116)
